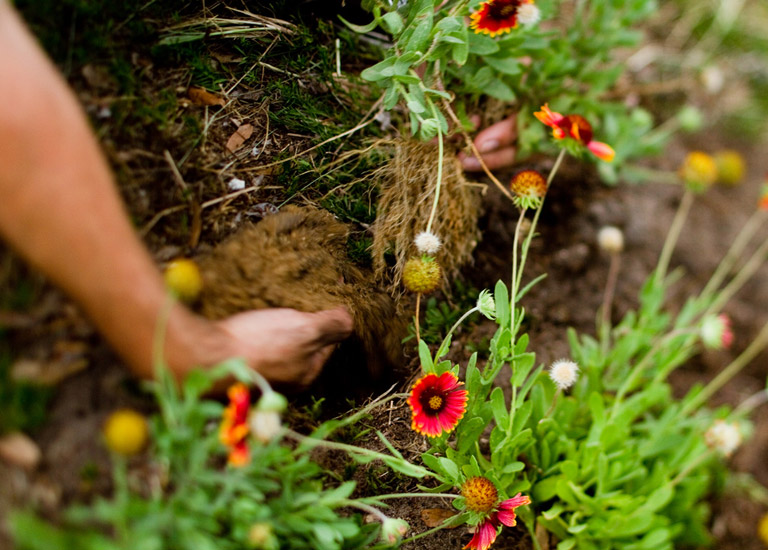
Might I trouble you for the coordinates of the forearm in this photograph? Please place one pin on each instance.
(60, 208)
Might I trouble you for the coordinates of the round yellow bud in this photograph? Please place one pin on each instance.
(699, 171)
(730, 167)
(183, 279)
(422, 274)
(762, 529)
(126, 432)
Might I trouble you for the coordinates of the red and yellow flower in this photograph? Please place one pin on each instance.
(234, 426)
(437, 404)
(575, 127)
(762, 202)
(481, 497)
(496, 16)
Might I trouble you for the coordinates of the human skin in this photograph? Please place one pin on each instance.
(496, 144)
(60, 210)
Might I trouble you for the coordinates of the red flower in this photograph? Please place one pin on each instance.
(496, 16)
(487, 531)
(437, 404)
(484, 536)
(762, 204)
(575, 127)
(234, 425)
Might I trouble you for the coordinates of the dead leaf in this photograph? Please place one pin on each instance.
(201, 96)
(432, 517)
(240, 136)
(19, 450)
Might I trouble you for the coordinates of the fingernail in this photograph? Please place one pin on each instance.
(487, 146)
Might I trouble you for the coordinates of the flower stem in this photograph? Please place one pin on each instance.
(416, 317)
(637, 371)
(757, 345)
(610, 289)
(354, 450)
(698, 461)
(365, 508)
(410, 495)
(475, 152)
(439, 181)
(673, 235)
(446, 523)
(532, 230)
(737, 247)
(745, 273)
(440, 350)
(513, 290)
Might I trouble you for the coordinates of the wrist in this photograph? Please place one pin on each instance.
(192, 341)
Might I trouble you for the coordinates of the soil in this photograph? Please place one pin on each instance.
(75, 465)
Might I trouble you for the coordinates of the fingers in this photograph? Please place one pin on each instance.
(333, 325)
(498, 159)
(495, 143)
(497, 135)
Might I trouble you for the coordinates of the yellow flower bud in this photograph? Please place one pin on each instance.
(126, 432)
(183, 279)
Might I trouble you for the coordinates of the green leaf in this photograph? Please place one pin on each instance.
(362, 29)
(425, 357)
(506, 65)
(414, 104)
(460, 52)
(498, 89)
(392, 23)
(391, 96)
(499, 407)
(420, 37)
(501, 299)
(377, 71)
(481, 44)
(450, 468)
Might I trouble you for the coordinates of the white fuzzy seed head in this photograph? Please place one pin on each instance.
(528, 14)
(723, 436)
(427, 243)
(564, 373)
(265, 425)
(611, 239)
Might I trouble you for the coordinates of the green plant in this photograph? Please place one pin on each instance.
(607, 456)
(438, 66)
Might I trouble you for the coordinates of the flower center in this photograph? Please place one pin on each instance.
(503, 9)
(435, 402)
(480, 494)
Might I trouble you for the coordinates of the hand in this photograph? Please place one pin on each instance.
(284, 345)
(496, 144)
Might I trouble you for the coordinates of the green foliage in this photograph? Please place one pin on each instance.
(281, 493)
(435, 58)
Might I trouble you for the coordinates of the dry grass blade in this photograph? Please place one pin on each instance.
(197, 29)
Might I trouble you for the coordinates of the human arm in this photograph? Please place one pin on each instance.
(59, 208)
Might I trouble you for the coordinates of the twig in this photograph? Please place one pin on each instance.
(475, 152)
